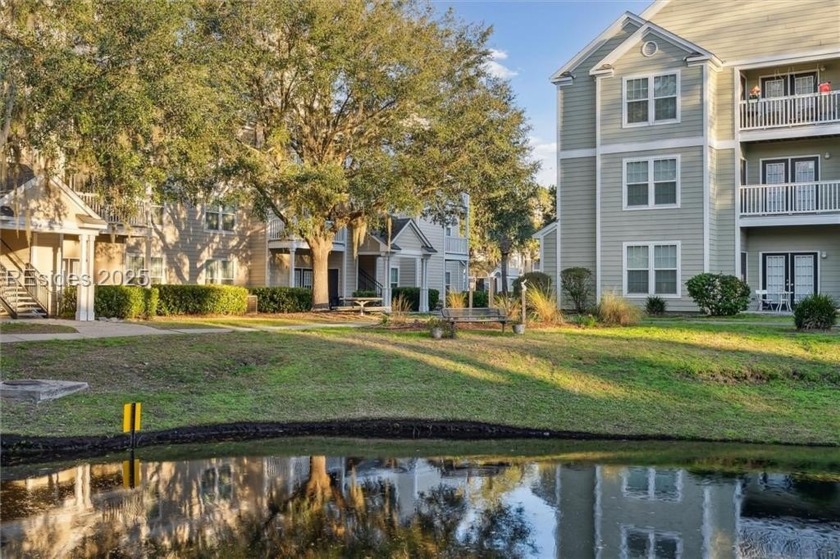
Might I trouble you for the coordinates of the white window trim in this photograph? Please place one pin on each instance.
(651, 103)
(651, 263)
(219, 209)
(147, 266)
(651, 205)
(651, 534)
(220, 279)
(391, 269)
(651, 493)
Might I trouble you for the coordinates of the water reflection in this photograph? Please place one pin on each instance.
(354, 507)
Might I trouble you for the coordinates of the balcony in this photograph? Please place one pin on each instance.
(791, 112)
(277, 237)
(793, 203)
(456, 245)
(106, 212)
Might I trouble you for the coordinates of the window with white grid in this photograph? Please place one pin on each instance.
(652, 99)
(652, 182)
(652, 269)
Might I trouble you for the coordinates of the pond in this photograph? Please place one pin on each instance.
(348, 498)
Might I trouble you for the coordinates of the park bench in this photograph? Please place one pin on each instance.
(454, 316)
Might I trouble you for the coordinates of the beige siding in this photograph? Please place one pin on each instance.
(548, 262)
(634, 64)
(819, 239)
(722, 100)
(259, 257)
(576, 102)
(753, 28)
(577, 214)
(683, 224)
(724, 179)
(829, 169)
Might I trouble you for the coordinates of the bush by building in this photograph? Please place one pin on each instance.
(412, 296)
(815, 312)
(113, 301)
(202, 299)
(579, 287)
(282, 299)
(655, 306)
(719, 294)
(536, 280)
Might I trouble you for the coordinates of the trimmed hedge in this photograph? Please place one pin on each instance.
(114, 301)
(282, 299)
(365, 293)
(412, 295)
(202, 299)
(480, 299)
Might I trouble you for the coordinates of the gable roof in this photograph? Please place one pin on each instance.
(597, 43)
(545, 230)
(408, 223)
(695, 51)
(74, 211)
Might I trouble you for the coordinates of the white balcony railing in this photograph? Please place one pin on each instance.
(276, 232)
(776, 112)
(456, 245)
(796, 198)
(106, 212)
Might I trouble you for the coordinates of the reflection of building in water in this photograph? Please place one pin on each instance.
(647, 513)
(600, 512)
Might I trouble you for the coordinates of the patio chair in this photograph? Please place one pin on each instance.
(761, 300)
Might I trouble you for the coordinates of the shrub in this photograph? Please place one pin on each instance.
(455, 300)
(202, 299)
(719, 294)
(578, 286)
(510, 305)
(282, 299)
(543, 305)
(365, 293)
(536, 280)
(586, 321)
(444, 325)
(113, 301)
(480, 299)
(615, 310)
(815, 312)
(400, 307)
(655, 306)
(412, 295)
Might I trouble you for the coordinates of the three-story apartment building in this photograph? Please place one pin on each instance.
(54, 232)
(702, 137)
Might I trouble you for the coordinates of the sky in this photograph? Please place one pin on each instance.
(530, 41)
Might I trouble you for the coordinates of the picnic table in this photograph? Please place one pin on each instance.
(361, 302)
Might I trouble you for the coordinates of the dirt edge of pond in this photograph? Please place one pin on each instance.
(18, 449)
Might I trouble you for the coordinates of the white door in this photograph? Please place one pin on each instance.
(804, 276)
(805, 195)
(775, 172)
(774, 275)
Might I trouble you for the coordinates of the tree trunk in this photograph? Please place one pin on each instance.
(318, 484)
(504, 267)
(320, 246)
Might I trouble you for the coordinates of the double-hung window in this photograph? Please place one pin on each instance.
(651, 100)
(394, 278)
(652, 269)
(219, 217)
(219, 272)
(138, 273)
(652, 183)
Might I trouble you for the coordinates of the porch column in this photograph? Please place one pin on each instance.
(85, 289)
(386, 285)
(424, 285)
(292, 252)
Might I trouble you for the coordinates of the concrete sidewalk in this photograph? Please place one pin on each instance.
(101, 329)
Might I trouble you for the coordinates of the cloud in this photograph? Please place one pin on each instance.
(496, 68)
(546, 154)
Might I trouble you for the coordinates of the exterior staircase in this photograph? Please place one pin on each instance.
(368, 283)
(21, 296)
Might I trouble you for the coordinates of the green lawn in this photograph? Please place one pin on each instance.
(260, 321)
(733, 381)
(34, 328)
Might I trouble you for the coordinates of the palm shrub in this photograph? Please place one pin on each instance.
(543, 306)
(815, 312)
(578, 286)
(655, 306)
(719, 294)
(455, 300)
(510, 306)
(615, 310)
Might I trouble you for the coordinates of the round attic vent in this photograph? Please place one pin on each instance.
(649, 48)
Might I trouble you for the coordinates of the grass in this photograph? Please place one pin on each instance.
(34, 328)
(259, 321)
(697, 380)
